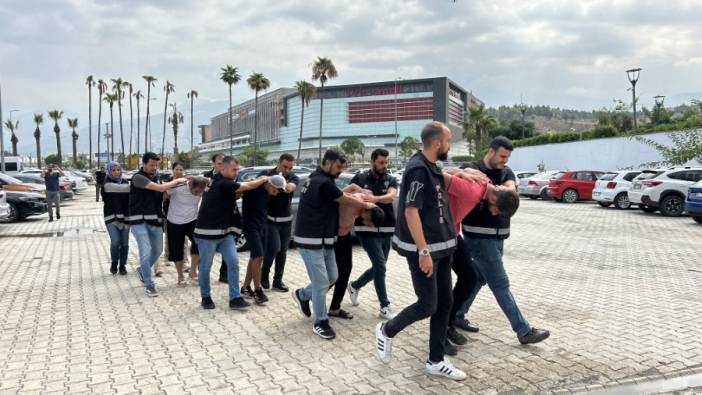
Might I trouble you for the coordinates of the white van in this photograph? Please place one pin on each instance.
(13, 165)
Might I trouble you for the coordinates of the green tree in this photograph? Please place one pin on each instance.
(38, 120)
(249, 156)
(52, 159)
(192, 95)
(323, 70)
(56, 115)
(117, 89)
(138, 96)
(476, 126)
(230, 75)
(686, 146)
(353, 146)
(102, 88)
(73, 124)
(90, 82)
(12, 127)
(408, 146)
(130, 93)
(111, 98)
(169, 88)
(175, 119)
(150, 81)
(257, 82)
(186, 158)
(306, 92)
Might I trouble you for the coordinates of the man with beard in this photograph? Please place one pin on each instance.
(211, 174)
(484, 239)
(375, 240)
(425, 236)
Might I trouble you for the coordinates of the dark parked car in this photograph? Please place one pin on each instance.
(25, 204)
(64, 186)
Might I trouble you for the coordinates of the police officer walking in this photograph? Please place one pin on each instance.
(425, 236)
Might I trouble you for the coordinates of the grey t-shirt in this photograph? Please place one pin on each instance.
(140, 181)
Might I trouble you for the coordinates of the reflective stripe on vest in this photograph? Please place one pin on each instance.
(434, 247)
(382, 229)
(217, 232)
(486, 231)
(280, 219)
(313, 241)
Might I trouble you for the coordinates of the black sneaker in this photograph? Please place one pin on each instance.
(450, 349)
(465, 325)
(122, 270)
(151, 291)
(207, 303)
(454, 337)
(238, 304)
(280, 287)
(534, 336)
(259, 296)
(324, 330)
(58, 216)
(141, 276)
(113, 268)
(264, 282)
(51, 220)
(303, 305)
(247, 292)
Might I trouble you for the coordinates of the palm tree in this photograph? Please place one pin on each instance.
(38, 120)
(73, 124)
(169, 88)
(56, 115)
(13, 139)
(174, 120)
(257, 82)
(117, 88)
(476, 126)
(323, 69)
(306, 92)
(102, 88)
(91, 83)
(111, 98)
(230, 75)
(138, 96)
(131, 122)
(149, 83)
(191, 95)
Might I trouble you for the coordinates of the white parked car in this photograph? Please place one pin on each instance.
(613, 188)
(4, 207)
(78, 184)
(667, 190)
(536, 186)
(637, 187)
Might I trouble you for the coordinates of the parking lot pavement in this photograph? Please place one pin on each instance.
(619, 291)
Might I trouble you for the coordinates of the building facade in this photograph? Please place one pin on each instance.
(381, 114)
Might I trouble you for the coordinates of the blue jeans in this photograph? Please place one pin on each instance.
(486, 255)
(321, 267)
(277, 240)
(149, 239)
(377, 247)
(227, 247)
(119, 243)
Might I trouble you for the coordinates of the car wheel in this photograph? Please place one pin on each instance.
(570, 196)
(544, 195)
(533, 197)
(621, 201)
(241, 244)
(697, 219)
(671, 206)
(647, 209)
(604, 204)
(14, 214)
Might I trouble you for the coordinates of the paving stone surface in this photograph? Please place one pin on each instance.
(619, 290)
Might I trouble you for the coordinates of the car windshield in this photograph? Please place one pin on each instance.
(9, 179)
(608, 176)
(647, 175)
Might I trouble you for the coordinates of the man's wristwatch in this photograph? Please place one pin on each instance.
(424, 251)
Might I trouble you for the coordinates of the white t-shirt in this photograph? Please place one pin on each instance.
(183, 206)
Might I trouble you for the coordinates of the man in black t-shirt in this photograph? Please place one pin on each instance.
(279, 225)
(484, 240)
(216, 169)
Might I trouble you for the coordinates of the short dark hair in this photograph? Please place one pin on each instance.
(432, 131)
(287, 157)
(333, 155)
(501, 141)
(215, 156)
(177, 163)
(377, 216)
(149, 156)
(379, 152)
(507, 202)
(226, 159)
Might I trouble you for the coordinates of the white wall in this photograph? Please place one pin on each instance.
(601, 154)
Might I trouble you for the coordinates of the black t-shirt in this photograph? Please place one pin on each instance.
(379, 185)
(218, 208)
(480, 216)
(254, 206)
(279, 205)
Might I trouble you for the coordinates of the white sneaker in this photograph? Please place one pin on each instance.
(353, 294)
(386, 313)
(383, 344)
(446, 369)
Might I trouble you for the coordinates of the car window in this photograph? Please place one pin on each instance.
(631, 176)
(342, 182)
(10, 166)
(608, 176)
(695, 175)
(583, 176)
(647, 175)
(596, 175)
(558, 175)
(297, 192)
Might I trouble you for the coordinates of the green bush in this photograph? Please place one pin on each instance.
(601, 132)
(462, 158)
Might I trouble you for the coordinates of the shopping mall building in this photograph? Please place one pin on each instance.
(379, 113)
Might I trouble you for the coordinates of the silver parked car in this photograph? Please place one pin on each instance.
(536, 186)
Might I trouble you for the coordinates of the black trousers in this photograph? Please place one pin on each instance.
(434, 299)
(466, 277)
(342, 254)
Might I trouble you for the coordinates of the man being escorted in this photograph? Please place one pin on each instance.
(425, 236)
(217, 222)
(485, 234)
(279, 225)
(315, 234)
(376, 240)
(146, 216)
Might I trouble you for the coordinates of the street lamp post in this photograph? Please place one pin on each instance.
(522, 109)
(108, 135)
(659, 103)
(633, 76)
(396, 135)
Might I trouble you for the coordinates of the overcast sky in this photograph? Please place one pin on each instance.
(563, 53)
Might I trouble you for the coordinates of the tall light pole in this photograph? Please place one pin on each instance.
(108, 135)
(659, 103)
(396, 135)
(2, 138)
(633, 76)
